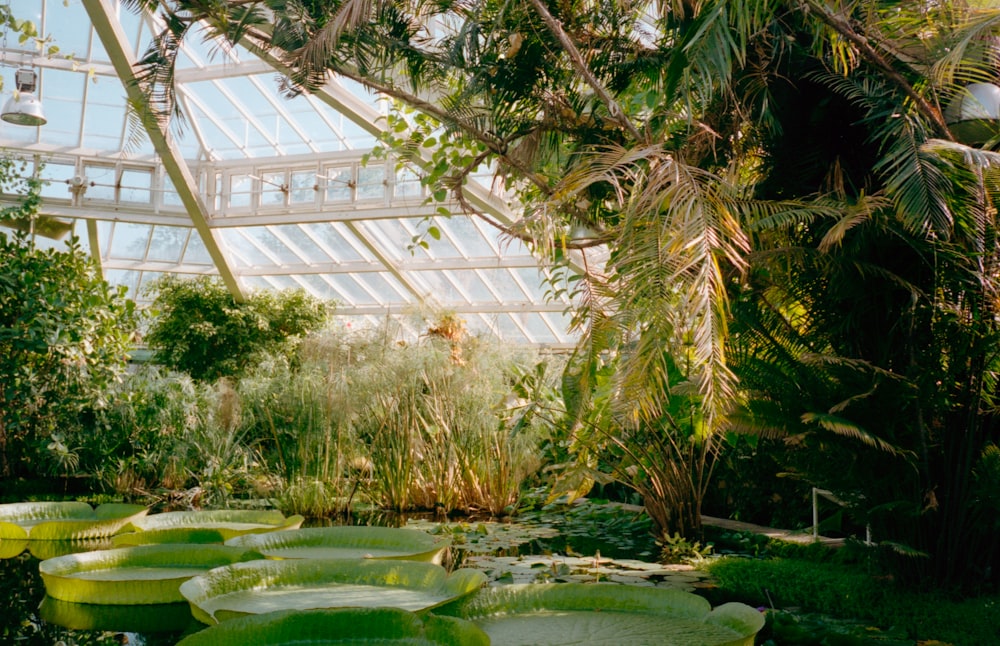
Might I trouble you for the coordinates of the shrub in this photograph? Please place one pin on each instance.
(202, 330)
(64, 338)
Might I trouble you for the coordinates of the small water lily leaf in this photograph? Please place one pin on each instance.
(265, 586)
(347, 542)
(356, 626)
(57, 521)
(214, 526)
(145, 574)
(593, 614)
(153, 618)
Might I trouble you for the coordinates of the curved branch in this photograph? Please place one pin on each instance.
(614, 110)
(873, 56)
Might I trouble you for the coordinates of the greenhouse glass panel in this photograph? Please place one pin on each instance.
(338, 241)
(167, 243)
(196, 253)
(305, 246)
(130, 241)
(339, 184)
(136, 186)
(55, 175)
(61, 93)
(504, 285)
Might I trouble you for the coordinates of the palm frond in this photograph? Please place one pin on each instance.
(845, 428)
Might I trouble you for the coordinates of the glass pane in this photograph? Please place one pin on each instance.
(303, 186)
(339, 184)
(167, 243)
(335, 238)
(101, 182)
(196, 253)
(407, 184)
(55, 175)
(129, 241)
(272, 189)
(240, 191)
(136, 186)
(371, 183)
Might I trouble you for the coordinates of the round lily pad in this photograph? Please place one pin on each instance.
(208, 526)
(347, 542)
(64, 520)
(145, 574)
(266, 586)
(328, 627)
(596, 614)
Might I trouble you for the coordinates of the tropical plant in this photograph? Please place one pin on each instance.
(793, 159)
(65, 335)
(202, 330)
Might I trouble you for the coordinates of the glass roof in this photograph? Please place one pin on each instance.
(265, 191)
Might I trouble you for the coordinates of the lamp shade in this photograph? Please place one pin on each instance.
(24, 109)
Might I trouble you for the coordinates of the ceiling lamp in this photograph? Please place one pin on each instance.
(24, 108)
(974, 116)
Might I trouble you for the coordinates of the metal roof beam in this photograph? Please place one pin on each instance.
(115, 43)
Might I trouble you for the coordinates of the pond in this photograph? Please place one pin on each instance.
(582, 543)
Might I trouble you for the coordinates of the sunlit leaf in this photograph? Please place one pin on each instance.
(266, 586)
(133, 575)
(346, 542)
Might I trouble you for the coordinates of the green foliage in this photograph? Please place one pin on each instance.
(64, 338)
(167, 436)
(851, 592)
(203, 331)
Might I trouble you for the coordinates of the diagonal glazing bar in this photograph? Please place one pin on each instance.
(115, 42)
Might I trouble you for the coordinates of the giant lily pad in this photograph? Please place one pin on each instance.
(347, 542)
(593, 614)
(134, 575)
(355, 626)
(266, 586)
(56, 521)
(152, 618)
(213, 526)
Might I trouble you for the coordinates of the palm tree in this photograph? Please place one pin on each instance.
(788, 159)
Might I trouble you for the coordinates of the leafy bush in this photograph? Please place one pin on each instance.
(171, 437)
(64, 338)
(203, 331)
(847, 591)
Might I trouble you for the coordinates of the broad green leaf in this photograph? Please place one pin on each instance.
(56, 521)
(134, 575)
(265, 586)
(214, 526)
(347, 542)
(594, 614)
(152, 618)
(341, 626)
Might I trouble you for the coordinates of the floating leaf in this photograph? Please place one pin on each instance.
(215, 526)
(347, 542)
(356, 626)
(54, 521)
(134, 575)
(594, 614)
(265, 586)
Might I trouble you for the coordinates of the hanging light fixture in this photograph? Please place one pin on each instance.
(24, 108)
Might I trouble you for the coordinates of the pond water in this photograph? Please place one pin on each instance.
(28, 617)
